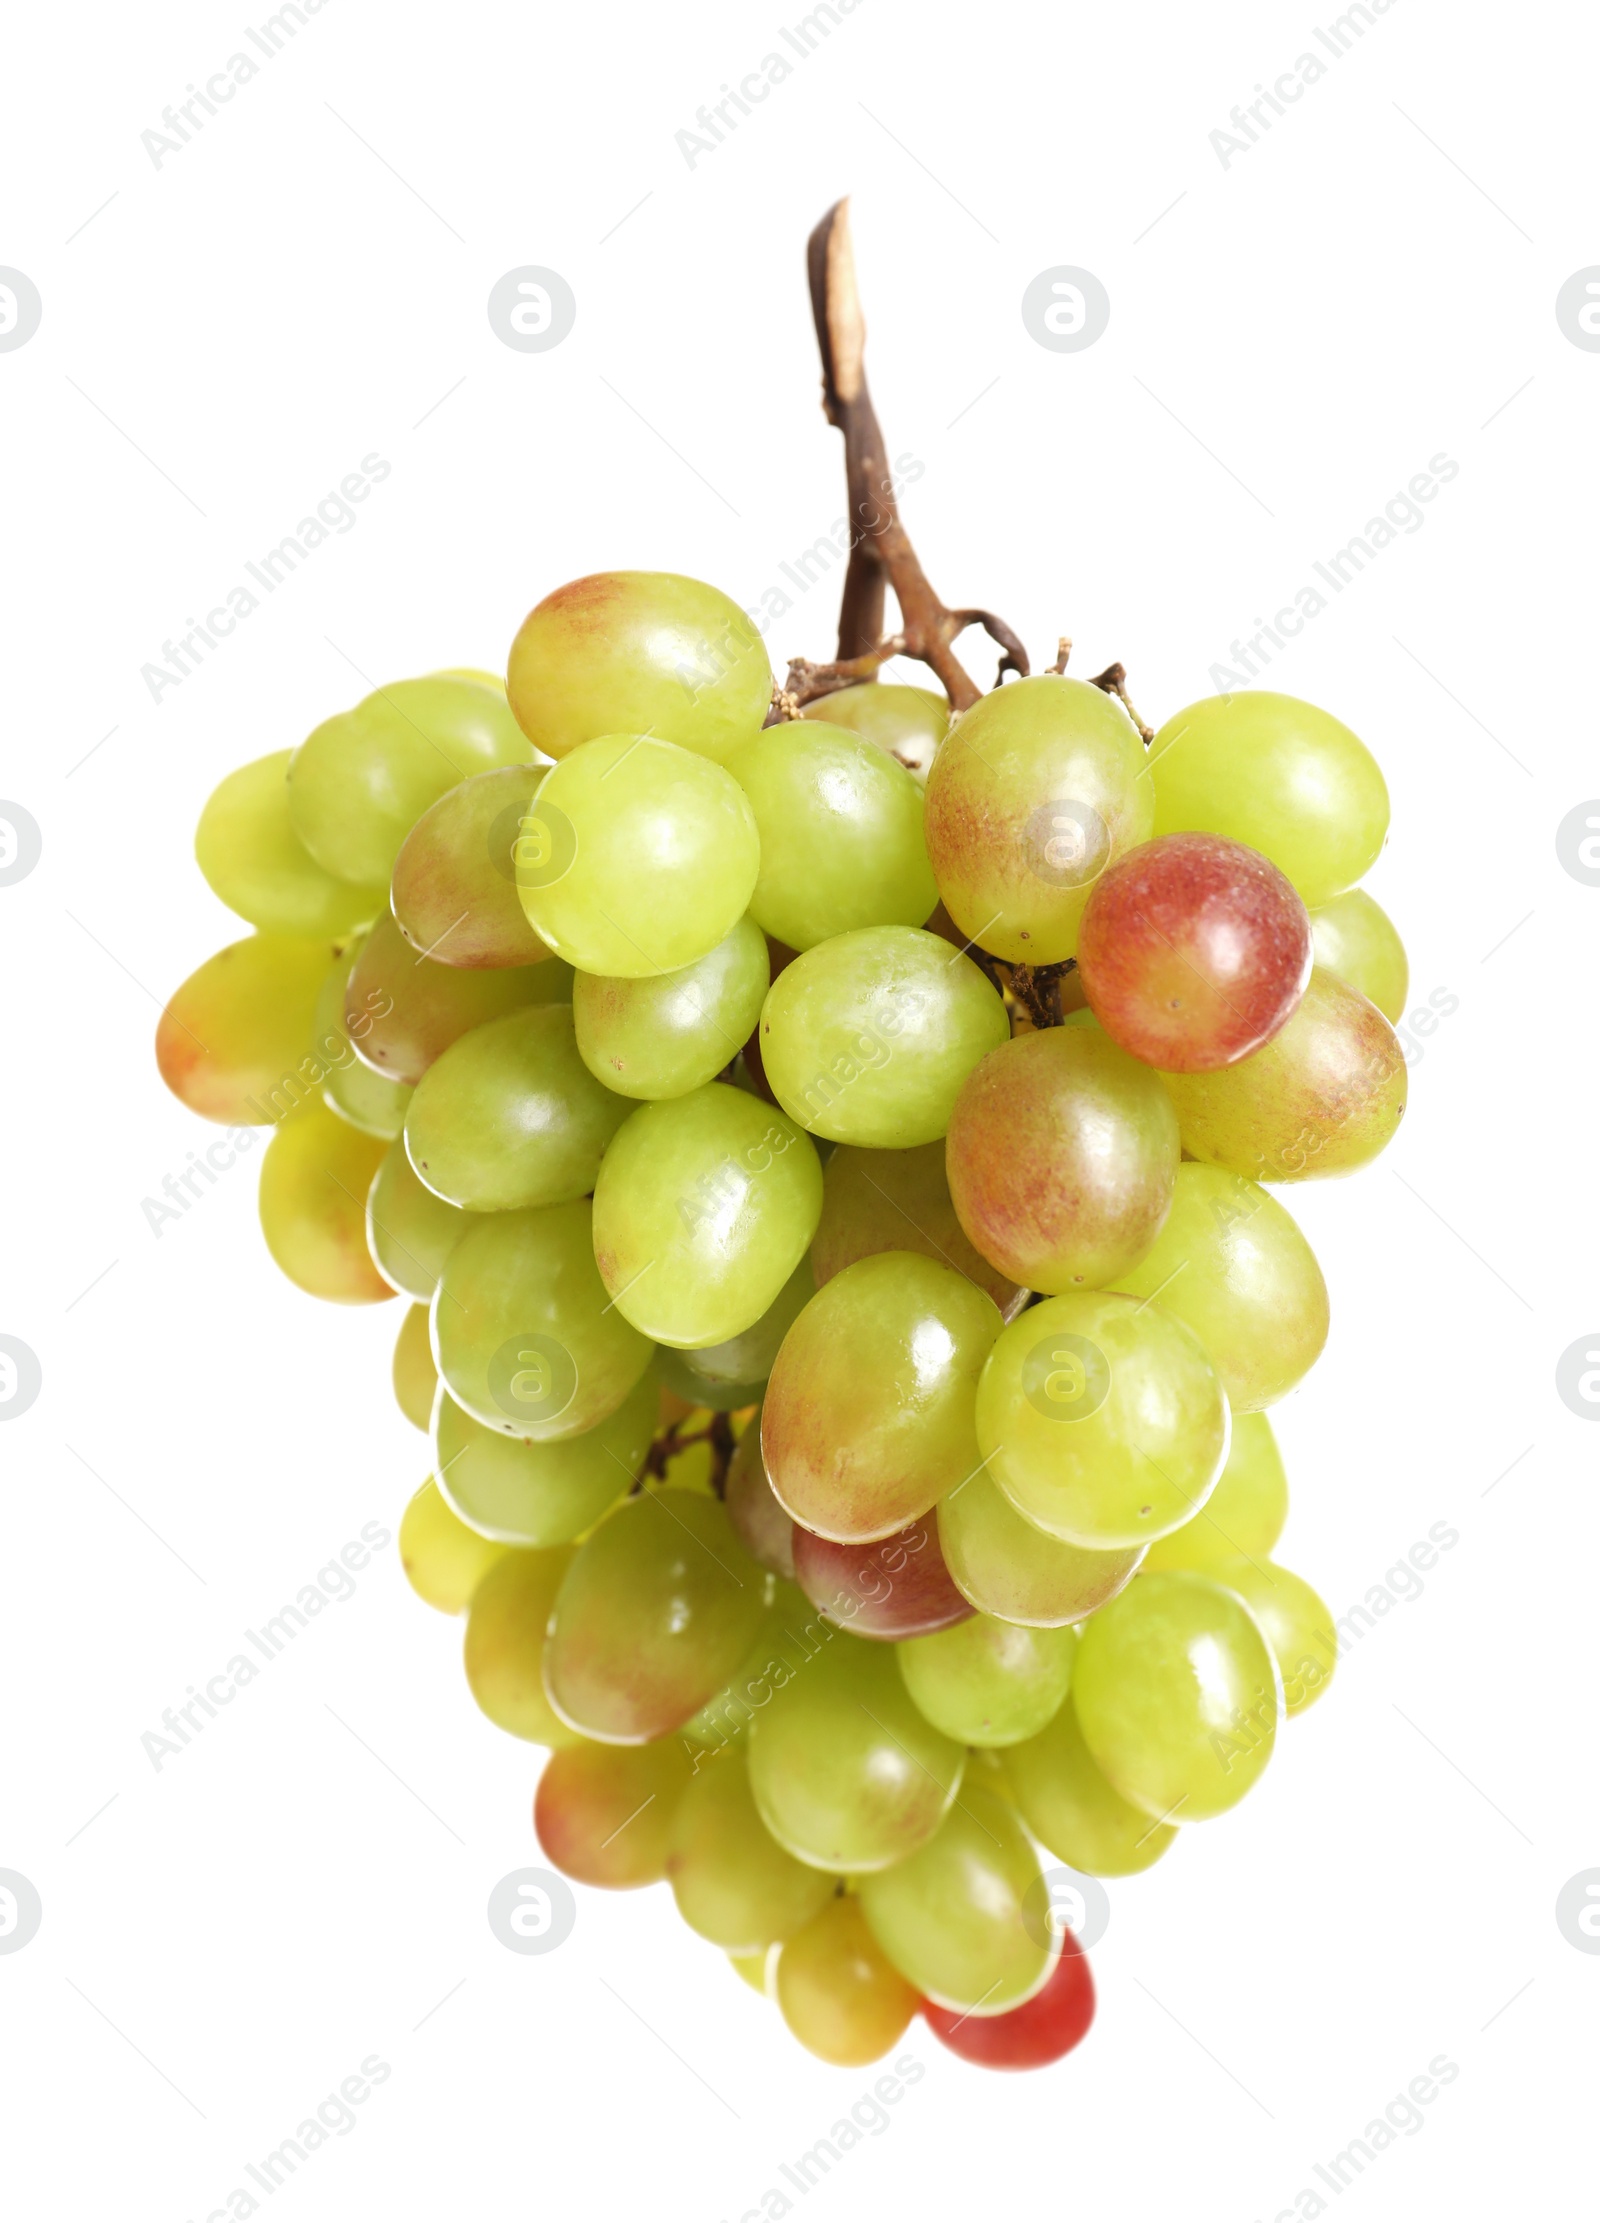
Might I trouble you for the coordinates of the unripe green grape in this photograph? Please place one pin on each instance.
(314, 1182)
(1234, 1266)
(955, 1917)
(524, 1334)
(412, 1371)
(539, 1494)
(1074, 1811)
(368, 1100)
(1038, 788)
(441, 1558)
(733, 1883)
(1061, 1157)
(869, 1413)
(837, 1991)
(505, 1644)
(1102, 1419)
(1005, 1566)
(867, 1038)
(636, 857)
(725, 1377)
(638, 652)
(988, 1682)
(673, 1032)
(1279, 775)
(909, 722)
(454, 892)
(232, 1039)
(402, 1011)
(1245, 1513)
(841, 834)
(878, 1200)
(1296, 1624)
(846, 1773)
(1178, 1696)
(360, 781)
(252, 858)
(1323, 1097)
(1352, 938)
(410, 1231)
(704, 1207)
(791, 1633)
(604, 1813)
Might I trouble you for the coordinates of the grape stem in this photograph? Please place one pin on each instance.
(670, 1441)
(1038, 989)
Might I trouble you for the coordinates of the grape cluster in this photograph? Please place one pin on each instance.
(829, 1151)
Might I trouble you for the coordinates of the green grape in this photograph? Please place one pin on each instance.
(410, 1231)
(986, 1681)
(636, 857)
(878, 1200)
(847, 1775)
(841, 834)
(1245, 1513)
(1073, 1810)
(505, 1644)
(402, 1011)
(725, 1377)
(661, 1604)
(733, 1883)
(360, 781)
(232, 1039)
(790, 1635)
(413, 1373)
(1321, 1098)
(704, 1207)
(454, 892)
(910, 722)
(539, 1494)
(838, 1993)
(1061, 1157)
(673, 1032)
(247, 847)
(523, 1333)
(1005, 1566)
(494, 681)
(1296, 1624)
(368, 1100)
(1231, 1264)
(868, 1417)
(868, 1038)
(1038, 788)
(441, 1558)
(764, 1528)
(963, 1917)
(1279, 775)
(1353, 938)
(604, 1813)
(1177, 1696)
(638, 652)
(313, 1201)
(752, 1967)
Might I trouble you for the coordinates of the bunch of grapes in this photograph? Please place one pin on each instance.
(829, 1152)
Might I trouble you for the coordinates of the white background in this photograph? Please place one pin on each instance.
(1292, 337)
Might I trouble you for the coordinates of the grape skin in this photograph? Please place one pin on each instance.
(454, 895)
(538, 1494)
(878, 1200)
(1357, 940)
(909, 722)
(732, 1882)
(1031, 2036)
(314, 1182)
(604, 1814)
(402, 1011)
(838, 1993)
(410, 1231)
(951, 1916)
(671, 1033)
(1245, 1513)
(1074, 1811)
(251, 856)
(232, 1039)
(503, 1651)
(988, 1682)
(412, 1372)
(441, 1558)
(896, 1587)
(1004, 1565)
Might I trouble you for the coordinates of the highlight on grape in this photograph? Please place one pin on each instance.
(829, 1138)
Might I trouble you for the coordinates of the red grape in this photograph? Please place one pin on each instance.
(1033, 2035)
(898, 1586)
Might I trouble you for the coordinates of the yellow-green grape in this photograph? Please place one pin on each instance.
(1102, 1419)
(753, 1968)
(442, 1559)
(1233, 1265)
(247, 847)
(847, 1775)
(1295, 1622)
(371, 1101)
(231, 1042)
(524, 1334)
(877, 1200)
(604, 1813)
(1178, 1696)
(839, 1994)
(1245, 1513)
(1323, 1097)
(910, 722)
(868, 1038)
(1072, 1809)
(985, 1681)
(673, 1032)
(454, 892)
(494, 681)
(1003, 1565)
(410, 1231)
(505, 1644)
(539, 1494)
(413, 1373)
(868, 1416)
(1037, 789)
(724, 1377)
(313, 1201)
(659, 1606)
(956, 1917)
(790, 1635)
(636, 857)
(638, 652)
(1356, 940)
(733, 1882)
(704, 1206)
(402, 1011)
(765, 1529)
(841, 834)
(1279, 775)
(360, 781)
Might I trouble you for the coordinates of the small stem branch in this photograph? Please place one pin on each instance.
(1114, 680)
